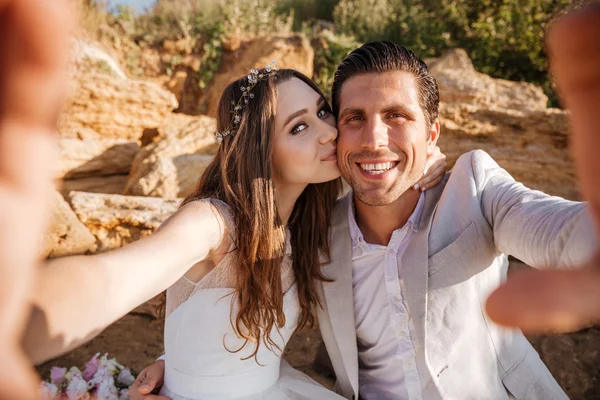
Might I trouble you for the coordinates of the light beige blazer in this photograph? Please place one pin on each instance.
(471, 223)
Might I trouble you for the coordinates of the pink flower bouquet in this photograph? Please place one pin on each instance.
(101, 379)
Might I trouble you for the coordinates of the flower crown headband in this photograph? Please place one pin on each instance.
(247, 95)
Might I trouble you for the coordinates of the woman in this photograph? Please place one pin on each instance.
(240, 257)
(271, 195)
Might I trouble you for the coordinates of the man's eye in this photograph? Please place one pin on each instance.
(355, 118)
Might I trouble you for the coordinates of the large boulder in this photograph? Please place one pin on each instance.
(530, 145)
(112, 184)
(66, 235)
(95, 157)
(171, 166)
(101, 105)
(290, 51)
(117, 220)
(458, 82)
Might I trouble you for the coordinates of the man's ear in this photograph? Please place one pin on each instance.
(434, 134)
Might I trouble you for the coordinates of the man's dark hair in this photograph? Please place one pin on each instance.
(386, 56)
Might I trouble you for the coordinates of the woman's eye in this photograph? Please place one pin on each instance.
(299, 128)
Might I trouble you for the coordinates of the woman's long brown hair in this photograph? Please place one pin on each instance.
(241, 175)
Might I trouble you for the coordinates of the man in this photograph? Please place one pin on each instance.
(423, 266)
(404, 316)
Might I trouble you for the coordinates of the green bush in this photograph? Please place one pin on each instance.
(331, 52)
(172, 19)
(235, 17)
(254, 17)
(92, 14)
(504, 38)
(306, 11)
(209, 23)
(367, 20)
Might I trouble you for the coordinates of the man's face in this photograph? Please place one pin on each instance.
(383, 137)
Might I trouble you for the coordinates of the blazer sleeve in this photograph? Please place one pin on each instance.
(538, 229)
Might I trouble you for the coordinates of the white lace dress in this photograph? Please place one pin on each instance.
(200, 362)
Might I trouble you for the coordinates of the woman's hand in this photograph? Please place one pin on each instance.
(435, 169)
(34, 46)
(149, 382)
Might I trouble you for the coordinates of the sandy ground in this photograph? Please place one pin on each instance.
(136, 341)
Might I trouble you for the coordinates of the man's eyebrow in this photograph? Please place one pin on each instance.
(396, 107)
(347, 111)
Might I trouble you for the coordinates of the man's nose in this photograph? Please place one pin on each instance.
(375, 134)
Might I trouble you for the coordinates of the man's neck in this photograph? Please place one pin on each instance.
(378, 223)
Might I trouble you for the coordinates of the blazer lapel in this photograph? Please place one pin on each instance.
(338, 294)
(415, 265)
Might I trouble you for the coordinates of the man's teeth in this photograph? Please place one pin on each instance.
(378, 168)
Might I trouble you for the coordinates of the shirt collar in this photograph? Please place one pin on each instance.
(412, 223)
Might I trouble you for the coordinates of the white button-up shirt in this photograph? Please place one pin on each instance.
(386, 339)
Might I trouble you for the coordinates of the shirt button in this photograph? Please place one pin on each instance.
(396, 298)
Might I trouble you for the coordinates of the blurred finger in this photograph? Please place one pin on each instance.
(21, 385)
(575, 37)
(552, 300)
(573, 44)
(34, 46)
(34, 37)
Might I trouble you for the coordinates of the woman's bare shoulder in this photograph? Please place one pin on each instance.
(199, 219)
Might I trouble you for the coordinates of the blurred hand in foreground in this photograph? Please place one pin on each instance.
(34, 39)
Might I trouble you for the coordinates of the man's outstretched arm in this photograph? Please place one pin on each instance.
(566, 300)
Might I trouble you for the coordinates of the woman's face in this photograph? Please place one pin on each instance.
(304, 141)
